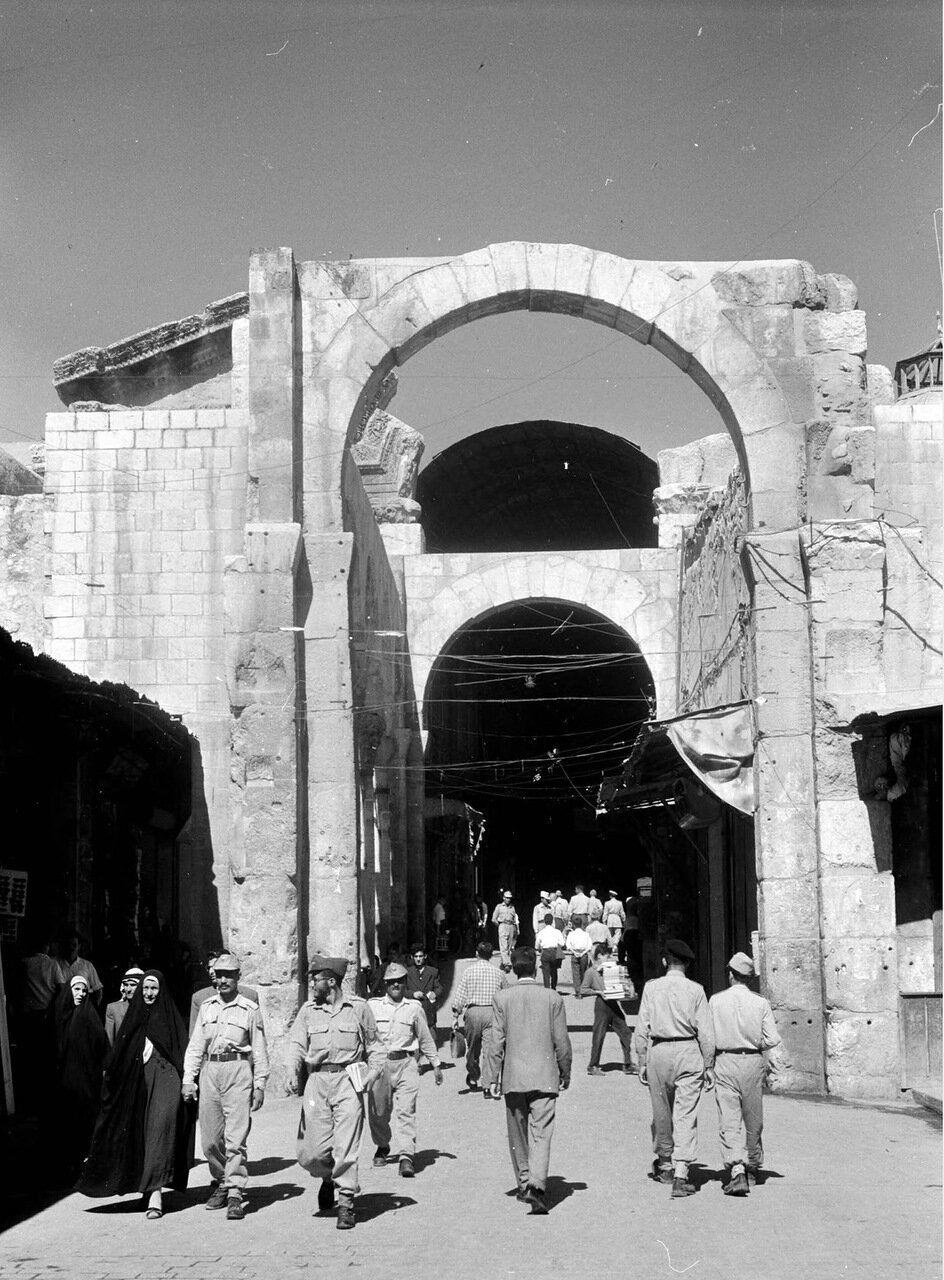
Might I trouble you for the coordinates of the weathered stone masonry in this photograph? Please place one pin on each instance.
(217, 549)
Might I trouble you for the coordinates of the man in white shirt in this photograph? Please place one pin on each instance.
(578, 907)
(594, 906)
(540, 911)
(549, 944)
(560, 910)
(580, 944)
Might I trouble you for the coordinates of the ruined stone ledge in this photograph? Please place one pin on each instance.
(150, 342)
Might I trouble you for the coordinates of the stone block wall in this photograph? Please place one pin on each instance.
(22, 523)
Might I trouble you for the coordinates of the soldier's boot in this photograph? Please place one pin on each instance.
(217, 1198)
(406, 1166)
(380, 1157)
(737, 1183)
(235, 1209)
(681, 1184)
(662, 1172)
(346, 1218)
(326, 1196)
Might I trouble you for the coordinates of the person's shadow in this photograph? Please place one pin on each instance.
(426, 1159)
(259, 1198)
(559, 1189)
(271, 1164)
(372, 1204)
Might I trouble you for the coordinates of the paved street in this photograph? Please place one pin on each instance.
(852, 1190)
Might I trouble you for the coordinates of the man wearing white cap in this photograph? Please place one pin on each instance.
(540, 911)
(227, 1050)
(115, 1012)
(506, 918)
(744, 1029)
(391, 1100)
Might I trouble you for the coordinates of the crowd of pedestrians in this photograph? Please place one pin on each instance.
(130, 1089)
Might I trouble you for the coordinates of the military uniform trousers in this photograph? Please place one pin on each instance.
(391, 1106)
(530, 1120)
(507, 936)
(330, 1129)
(478, 1025)
(676, 1073)
(225, 1119)
(739, 1092)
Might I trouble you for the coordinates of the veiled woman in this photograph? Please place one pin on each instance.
(80, 1051)
(144, 1137)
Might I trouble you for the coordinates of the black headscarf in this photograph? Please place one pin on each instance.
(80, 1048)
(116, 1158)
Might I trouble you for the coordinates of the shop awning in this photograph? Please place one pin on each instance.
(716, 745)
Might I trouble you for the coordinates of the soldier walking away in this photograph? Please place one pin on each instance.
(228, 1050)
(744, 1031)
(335, 1037)
(506, 918)
(607, 1013)
(577, 907)
(529, 1062)
(614, 917)
(391, 1101)
(674, 1045)
(472, 1002)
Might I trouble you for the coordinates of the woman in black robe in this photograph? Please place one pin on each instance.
(144, 1137)
(80, 1051)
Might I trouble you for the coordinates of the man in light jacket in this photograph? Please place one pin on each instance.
(529, 1061)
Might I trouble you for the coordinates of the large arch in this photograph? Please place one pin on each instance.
(728, 325)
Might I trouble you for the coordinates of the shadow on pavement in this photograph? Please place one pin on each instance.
(271, 1164)
(373, 1204)
(426, 1159)
(258, 1198)
(559, 1190)
(28, 1175)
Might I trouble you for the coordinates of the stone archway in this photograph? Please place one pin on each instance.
(635, 590)
(729, 326)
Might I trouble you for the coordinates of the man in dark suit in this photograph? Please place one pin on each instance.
(529, 1052)
(423, 984)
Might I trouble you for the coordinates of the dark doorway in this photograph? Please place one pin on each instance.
(527, 709)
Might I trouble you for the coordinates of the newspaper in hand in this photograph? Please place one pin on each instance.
(357, 1073)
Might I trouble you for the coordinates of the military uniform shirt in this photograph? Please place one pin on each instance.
(742, 1020)
(673, 1007)
(335, 1034)
(402, 1025)
(233, 1027)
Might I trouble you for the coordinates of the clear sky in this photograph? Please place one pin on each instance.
(147, 147)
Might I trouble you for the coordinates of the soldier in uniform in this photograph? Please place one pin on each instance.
(674, 1046)
(402, 1026)
(744, 1028)
(228, 1050)
(331, 1033)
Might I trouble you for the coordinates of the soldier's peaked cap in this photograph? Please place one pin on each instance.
(226, 962)
(678, 949)
(393, 972)
(329, 964)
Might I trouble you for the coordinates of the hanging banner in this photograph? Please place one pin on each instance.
(718, 747)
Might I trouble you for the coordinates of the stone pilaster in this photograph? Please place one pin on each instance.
(272, 385)
(785, 822)
(846, 569)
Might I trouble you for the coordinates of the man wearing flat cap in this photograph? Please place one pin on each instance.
(744, 1030)
(335, 1037)
(228, 1050)
(674, 1045)
(391, 1101)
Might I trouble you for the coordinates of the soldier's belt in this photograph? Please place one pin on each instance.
(738, 1051)
(230, 1056)
(395, 1054)
(329, 1066)
(672, 1039)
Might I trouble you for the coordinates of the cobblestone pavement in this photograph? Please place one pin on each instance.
(852, 1190)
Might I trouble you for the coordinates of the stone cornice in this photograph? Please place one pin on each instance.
(95, 361)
